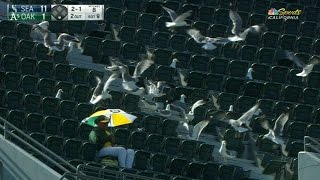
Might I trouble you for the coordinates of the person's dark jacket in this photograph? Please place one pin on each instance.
(101, 137)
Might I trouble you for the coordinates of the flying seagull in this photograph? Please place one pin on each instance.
(223, 151)
(59, 93)
(307, 68)
(154, 90)
(198, 128)
(50, 42)
(207, 41)
(244, 119)
(98, 92)
(274, 134)
(177, 20)
(150, 105)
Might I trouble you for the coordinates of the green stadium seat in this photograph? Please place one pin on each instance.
(296, 80)
(316, 47)
(71, 148)
(159, 162)
(205, 152)
(147, 21)
(214, 82)
(17, 118)
(218, 30)
(177, 166)
(255, 19)
(260, 71)
(28, 66)
(311, 14)
(266, 55)
(91, 79)
(69, 128)
(278, 5)
(3, 94)
(227, 172)
(188, 149)
(51, 125)
(84, 131)
(313, 130)
(164, 73)
(292, 93)
(57, 27)
(287, 42)
(219, 66)
(8, 28)
(141, 159)
(163, 57)
(115, 3)
(291, 26)
(160, 23)
(296, 130)
(275, 25)
(101, 34)
(163, 176)
(281, 106)
(178, 42)
(234, 142)
(122, 137)
(238, 68)
(26, 48)
(110, 48)
(62, 72)
(212, 3)
(233, 85)
(206, 14)
(4, 112)
(253, 39)
(81, 93)
(272, 90)
(42, 52)
(304, 44)
(14, 100)
(113, 15)
(169, 127)
(12, 80)
(134, 5)
(266, 106)
(221, 16)
(273, 166)
(151, 124)
(303, 113)
(253, 89)
(226, 99)
(161, 39)
(308, 29)
(194, 170)
(210, 171)
(84, 110)
(138, 140)
(23, 31)
(79, 75)
(67, 89)
(144, 37)
(32, 102)
(294, 148)
(279, 74)
(50, 106)
(153, 7)
(75, 27)
(127, 34)
(46, 87)
(193, 8)
(39, 137)
(248, 53)
(313, 80)
(45, 69)
(91, 46)
(244, 103)
(130, 102)
(154, 143)
(55, 144)
(130, 51)
(202, 26)
(261, 7)
(194, 47)
(10, 63)
(67, 109)
(130, 18)
(270, 39)
(195, 79)
(229, 51)
(310, 96)
(171, 146)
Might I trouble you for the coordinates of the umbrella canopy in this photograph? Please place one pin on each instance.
(117, 117)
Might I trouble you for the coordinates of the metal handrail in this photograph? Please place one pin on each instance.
(102, 172)
(78, 176)
(307, 145)
(42, 150)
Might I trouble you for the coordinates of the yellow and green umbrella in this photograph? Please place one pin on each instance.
(117, 117)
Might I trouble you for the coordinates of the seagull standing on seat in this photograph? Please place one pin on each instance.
(177, 21)
(306, 68)
(274, 134)
(50, 42)
(249, 74)
(59, 93)
(223, 151)
(230, 108)
(174, 63)
(165, 113)
(244, 119)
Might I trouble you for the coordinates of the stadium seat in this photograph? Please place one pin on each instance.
(117, 99)
(12, 81)
(45, 69)
(211, 171)
(151, 124)
(8, 28)
(244, 103)
(308, 29)
(39, 137)
(122, 136)
(303, 113)
(67, 89)
(233, 85)
(230, 172)
(75, 27)
(272, 90)
(51, 125)
(270, 39)
(188, 149)
(159, 162)
(311, 14)
(278, 5)
(256, 19)
(178, 42)
(296, 80)
(79, 75)
(267, 107)
(291, 26)
(171, 146)
(206, 14)
(147, 21)
(292, 93)
(8, 45)
(3, 94)
(113, 15)
(238, 68)
(261, 7)
(281, 107)
(28, 66)
(304, 44)
(161, 23)
(130, 18)
(194, 170)
(248, 53)
(14, 100)
(260, 72)
(287, 42)
(229, 51)
(46, 87)
(10, 63)
(138, 140)
(183, 57)
(71, 148)
(50, 106)
(144, 37)
(127, 34)
(17, 118)
(154, 143)
(221, 16)
(296, 130)
(130, 51)
(130, 102)
(23, 31)
(310, 96)
(275, 25)
(4, 112)
(194, 47)
(164, 73)
(169, 127)
(313, 80)
(67, 109)
(115, 3)
(26, 48)
(32, 102)
(177, 166)
(316, 47)
(69, 128)
(34, 122)
(226, 99)
(218, 30)
(62, 72)
(92, 74)
(161, 39)
(253, 39)
(134, 5)
(294, 148)
(42, 52)
(141, 159)
(214, 82)
(91, 46)
(88, 151)
(110, 48)
(55, 144)
(253, 89)
(81, 93)
(313, 130)
(279, 74)
(57, 27)
(266, 55)
(195, 79)
(205, 152)
(219, 66)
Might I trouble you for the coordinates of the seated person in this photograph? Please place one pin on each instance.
(105, 143)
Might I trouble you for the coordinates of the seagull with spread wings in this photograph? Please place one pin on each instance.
(177, 21)
(98, 92)
(306, 68)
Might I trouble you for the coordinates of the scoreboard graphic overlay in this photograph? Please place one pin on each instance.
(56, 12)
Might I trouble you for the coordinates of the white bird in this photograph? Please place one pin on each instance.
(215, 102)
(244, 119)
(150, 105)
(200, 39)
(258, 112)
(177, 21)
(274, 134)
(153, 89)
(230, 108)
(166, 112)
(59, 93)
(50, 42)
(181, 102)
(174, 63)
(223, 151)
(182, 77)
(306, 68)
(129, 83)
(99, 93)
(249, 74)
(198, 128)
